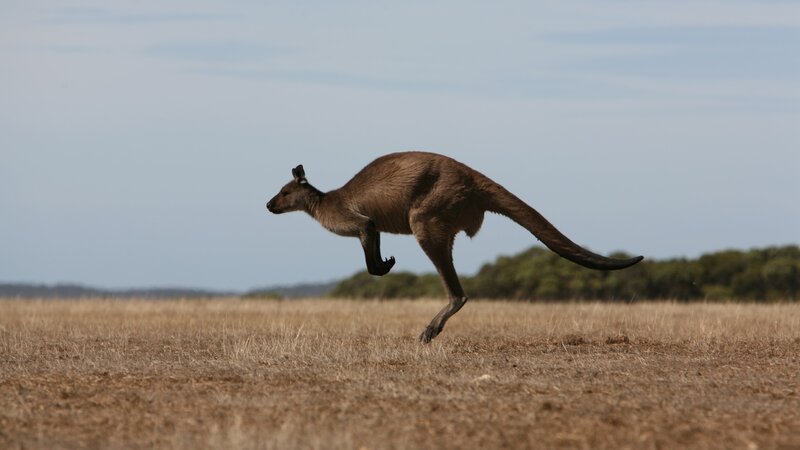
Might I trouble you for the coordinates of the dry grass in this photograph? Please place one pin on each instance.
(342, 374)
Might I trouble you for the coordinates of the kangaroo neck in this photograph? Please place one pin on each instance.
(327, 209)
(315, 202)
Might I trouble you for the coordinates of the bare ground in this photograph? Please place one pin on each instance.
(345, 374)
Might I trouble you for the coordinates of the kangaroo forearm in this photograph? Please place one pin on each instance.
(371, 243)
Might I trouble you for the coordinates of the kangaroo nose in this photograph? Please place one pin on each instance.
(269, 206)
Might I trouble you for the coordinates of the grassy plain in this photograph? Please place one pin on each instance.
(347, 374)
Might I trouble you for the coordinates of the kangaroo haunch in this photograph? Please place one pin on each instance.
(432, 197)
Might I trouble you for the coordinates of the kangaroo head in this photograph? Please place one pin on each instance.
(295, 195)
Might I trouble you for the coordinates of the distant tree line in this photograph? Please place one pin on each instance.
(765, 274)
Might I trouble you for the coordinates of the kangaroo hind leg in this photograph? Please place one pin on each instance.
(438, 245)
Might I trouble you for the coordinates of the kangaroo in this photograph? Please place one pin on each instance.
(432, 197)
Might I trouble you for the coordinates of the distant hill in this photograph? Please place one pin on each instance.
(21, 290)
(760, 274)
(304, 290)
(66, 290)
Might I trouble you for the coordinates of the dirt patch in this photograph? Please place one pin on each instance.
(618, 339)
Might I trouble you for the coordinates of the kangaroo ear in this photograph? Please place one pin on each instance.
(299, 174)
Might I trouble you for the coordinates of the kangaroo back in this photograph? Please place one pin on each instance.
(504, 202)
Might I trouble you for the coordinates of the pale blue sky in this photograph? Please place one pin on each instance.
(140, 141)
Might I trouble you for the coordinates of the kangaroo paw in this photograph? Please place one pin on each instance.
(383, 267)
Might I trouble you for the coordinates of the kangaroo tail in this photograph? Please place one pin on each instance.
(509, 205)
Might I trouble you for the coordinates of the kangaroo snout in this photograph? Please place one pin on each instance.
(274, 207)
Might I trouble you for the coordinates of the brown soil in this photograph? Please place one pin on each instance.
(344, 374)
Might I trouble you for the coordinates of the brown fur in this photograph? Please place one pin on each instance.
(432, 197)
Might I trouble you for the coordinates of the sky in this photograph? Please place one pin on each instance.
(139, 141)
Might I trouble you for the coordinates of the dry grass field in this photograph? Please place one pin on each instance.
(346, 374)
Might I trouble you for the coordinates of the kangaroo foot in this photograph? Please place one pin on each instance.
(382, 267)
(429, 333)
(437, 324)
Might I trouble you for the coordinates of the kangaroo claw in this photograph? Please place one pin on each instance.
(382, 268)
(428, 334)
(388, 264)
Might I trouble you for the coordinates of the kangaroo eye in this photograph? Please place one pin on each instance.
(284, 193)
